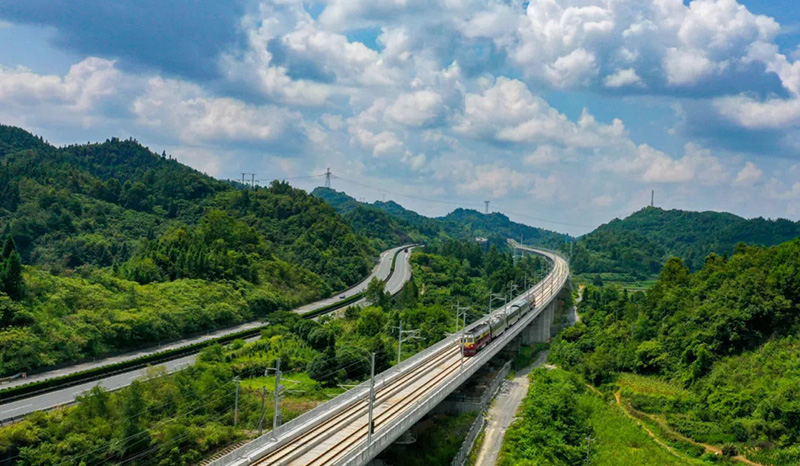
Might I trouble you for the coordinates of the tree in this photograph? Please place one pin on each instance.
(133, 433)
(11, 272)
(375, 293)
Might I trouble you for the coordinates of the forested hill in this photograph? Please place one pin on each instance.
(93, 204)
(391, 221)
(641, 242)
(124, 247)
(719, 349)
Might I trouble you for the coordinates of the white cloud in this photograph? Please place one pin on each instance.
(492, 179)
(692, 42)
(416, 108)
(381, 143)
(508, 111)
(548, 188)
(546, 155)
(572, 70)
(649, 165)
(414, 161)
(602, 201)
(749, 175)
(753, 114)
(86, 83)
(687, 66)
(623, 78)
(184, 109)
(333, 122)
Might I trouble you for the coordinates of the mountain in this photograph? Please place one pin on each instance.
(124, 247)
(641, 242)
(391, 221)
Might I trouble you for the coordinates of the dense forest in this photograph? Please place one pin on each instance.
(722, 340)
(111, 246)
(639, 244)
(180, 419)
(389, 221)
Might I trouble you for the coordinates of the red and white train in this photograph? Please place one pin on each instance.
(481, 335)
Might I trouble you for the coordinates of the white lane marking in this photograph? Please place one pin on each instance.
(14, 409)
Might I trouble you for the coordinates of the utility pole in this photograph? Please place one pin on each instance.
(400, 342)
(492, 297)
(588, 449)
(652, 197)
(263, 410)
(236, 403)
(328, 178)
(411, 334)
(276, 418)
(487, 206)
(253, 180)
(461, 312)
(370, 427)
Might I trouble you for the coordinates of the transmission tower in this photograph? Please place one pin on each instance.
(328, 178)
(652, 197)
(487, 206)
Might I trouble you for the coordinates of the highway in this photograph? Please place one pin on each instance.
(15, 409)
(335, 433)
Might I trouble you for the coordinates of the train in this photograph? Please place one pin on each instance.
(478, 337)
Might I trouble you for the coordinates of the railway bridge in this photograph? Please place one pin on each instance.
(337, 432)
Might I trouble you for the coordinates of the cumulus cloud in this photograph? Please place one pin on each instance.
(749, 175)
(493, 179)
(623, 78)
(507, 111)
(688, 44)
(416, 108)
(649, 165)
(184, 109)
(412, 89)
(86, 82)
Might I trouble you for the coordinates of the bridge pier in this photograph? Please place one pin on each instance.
(539, 330)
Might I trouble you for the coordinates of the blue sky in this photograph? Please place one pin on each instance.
(563, 113)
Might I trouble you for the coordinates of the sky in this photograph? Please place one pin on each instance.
(564, 114)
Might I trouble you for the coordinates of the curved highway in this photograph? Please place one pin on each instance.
(336, 433)
(15, 409)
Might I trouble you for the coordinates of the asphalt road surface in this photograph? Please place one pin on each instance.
(14, 409)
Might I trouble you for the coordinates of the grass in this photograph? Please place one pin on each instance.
(298, 386)
(619, 279)
(618, 441)
(476, 448)
(649, 385)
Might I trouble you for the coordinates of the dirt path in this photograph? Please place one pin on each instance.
(646, 429)
(708, 448)
(503, 412)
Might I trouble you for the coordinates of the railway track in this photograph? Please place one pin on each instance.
(337, 434)
(322, 432)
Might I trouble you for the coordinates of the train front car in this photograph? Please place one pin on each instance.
(475, 339)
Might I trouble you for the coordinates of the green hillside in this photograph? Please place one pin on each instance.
(392, 222)
(124, 247)
(711, 355)
(640, 243)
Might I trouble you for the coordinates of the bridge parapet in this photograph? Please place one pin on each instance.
(362, 451)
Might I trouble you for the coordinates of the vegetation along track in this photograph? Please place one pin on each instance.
(323, 431)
